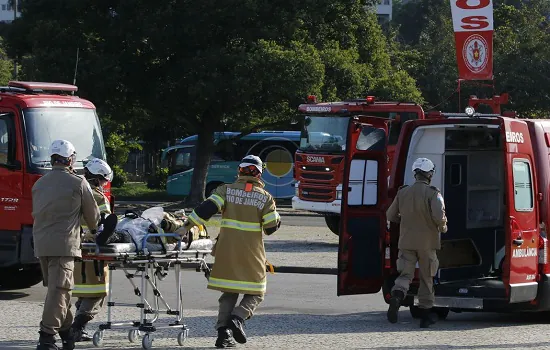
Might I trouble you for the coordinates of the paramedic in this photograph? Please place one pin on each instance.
(420, 210)
(240, 261)
(90, 285)
(59, 199)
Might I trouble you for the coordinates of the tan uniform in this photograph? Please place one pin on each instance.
(420, 210)
(91, 278)
(240, 265)
(59, 199)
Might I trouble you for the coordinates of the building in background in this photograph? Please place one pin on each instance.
(384, 11)
(6, 11)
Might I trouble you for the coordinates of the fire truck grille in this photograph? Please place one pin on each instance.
(317, 197)
(319, 194)
(315, 168)
(326, 177)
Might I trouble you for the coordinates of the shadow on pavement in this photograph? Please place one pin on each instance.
(293, 246)
(12, 295)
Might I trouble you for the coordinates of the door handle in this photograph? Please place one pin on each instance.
(518, 241)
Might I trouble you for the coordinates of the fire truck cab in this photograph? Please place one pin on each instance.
(32, 115)
(319, 166)
(494, 173)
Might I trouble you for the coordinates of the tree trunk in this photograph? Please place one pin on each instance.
(205, 147)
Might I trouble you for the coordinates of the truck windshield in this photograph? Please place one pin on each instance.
(324, 134)
(77, 125)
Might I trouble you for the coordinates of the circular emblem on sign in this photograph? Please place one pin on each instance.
(475, 53)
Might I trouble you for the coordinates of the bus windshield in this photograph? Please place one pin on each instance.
(80, 126)
(179, 159)
(324, 134)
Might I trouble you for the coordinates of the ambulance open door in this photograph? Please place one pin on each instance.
(364, 200)
(520, 268)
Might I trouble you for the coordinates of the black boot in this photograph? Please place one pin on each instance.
(397, 297)
(225, 340)
(67, 338)
(46, 342)
(236, 325)
(426, 320)
(79, 328)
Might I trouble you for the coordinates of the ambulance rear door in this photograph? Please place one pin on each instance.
(364, 199)
(521, 220)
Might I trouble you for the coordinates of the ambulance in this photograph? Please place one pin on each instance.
(494, 173)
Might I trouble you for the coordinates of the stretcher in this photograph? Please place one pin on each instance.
(149, 262)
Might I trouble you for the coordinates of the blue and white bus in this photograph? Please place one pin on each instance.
(275, 148)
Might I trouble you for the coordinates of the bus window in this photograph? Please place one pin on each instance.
(181, 160)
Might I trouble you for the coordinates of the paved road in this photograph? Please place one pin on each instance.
(300, 312)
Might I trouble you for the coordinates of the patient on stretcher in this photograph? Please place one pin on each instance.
(132, 228)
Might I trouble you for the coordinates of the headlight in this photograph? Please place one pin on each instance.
(338, 195)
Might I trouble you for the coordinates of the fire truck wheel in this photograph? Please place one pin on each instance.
(20, 279)
(333, 223)
(210, 187)
(415, 311)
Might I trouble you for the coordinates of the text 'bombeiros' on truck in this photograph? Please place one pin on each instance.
(494, 173)
(318, 164)
(32, 116)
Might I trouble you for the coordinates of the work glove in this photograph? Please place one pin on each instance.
(89, 236)
(183, 230)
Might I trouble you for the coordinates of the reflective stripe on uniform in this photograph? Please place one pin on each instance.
(217, 200)
(90, 288)
(241, 225)
(197, 220)
(237, 285)
(270, 217)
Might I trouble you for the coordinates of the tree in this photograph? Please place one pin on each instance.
(174, 67)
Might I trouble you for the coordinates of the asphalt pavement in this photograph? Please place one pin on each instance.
(300, 311)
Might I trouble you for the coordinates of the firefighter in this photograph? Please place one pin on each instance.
(420, 210)
(90, 284)
(240, 266)
(59, 199)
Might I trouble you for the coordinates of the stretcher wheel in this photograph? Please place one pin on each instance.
(182, 336)
(147, 341)
(97, 338)
(133, 335)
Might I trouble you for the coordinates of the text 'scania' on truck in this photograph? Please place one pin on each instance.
(318, 164)
(494, 173)
(32, 116)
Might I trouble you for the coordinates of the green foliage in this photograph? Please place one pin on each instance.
(158, 179)
(118, 149)
(120, 177)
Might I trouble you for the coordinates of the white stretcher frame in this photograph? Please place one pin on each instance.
(146, 264)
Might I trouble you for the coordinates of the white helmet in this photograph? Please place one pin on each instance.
(423, 164)
(252, 160)
(62, 148)
(97, 166)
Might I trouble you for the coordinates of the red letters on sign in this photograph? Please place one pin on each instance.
(475, 22)
(473, 27)
(463, 4)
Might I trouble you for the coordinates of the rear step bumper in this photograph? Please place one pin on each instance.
(486, 295)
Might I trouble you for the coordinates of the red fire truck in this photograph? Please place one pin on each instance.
(494, 173)
(32, 115)
(318, 164)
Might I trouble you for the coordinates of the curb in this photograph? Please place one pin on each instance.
(303, 270)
